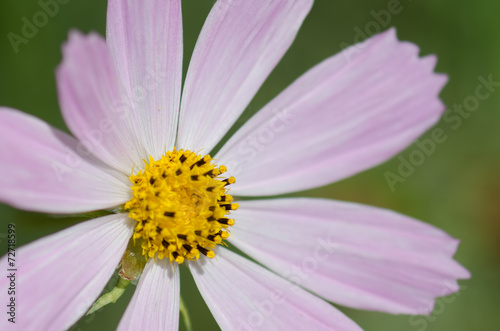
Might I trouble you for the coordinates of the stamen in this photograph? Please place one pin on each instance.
(181, 206)
(230, 180)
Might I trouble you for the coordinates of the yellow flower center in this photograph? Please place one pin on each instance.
(181, 206)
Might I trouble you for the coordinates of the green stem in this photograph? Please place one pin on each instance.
(110, 297)
(185, 316)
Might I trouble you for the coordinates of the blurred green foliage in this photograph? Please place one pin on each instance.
(457, 188)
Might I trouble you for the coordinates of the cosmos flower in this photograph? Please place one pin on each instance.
(139, 151)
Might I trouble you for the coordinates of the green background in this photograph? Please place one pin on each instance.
(457, 188)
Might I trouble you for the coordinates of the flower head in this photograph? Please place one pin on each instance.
(181, 205)
(140, 152)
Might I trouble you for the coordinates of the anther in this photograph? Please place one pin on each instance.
(232, 206)
(203, 250)
(229, 181)
(216, 239)
(210, 174)
(201, 162)
(208, 253)
(179, 259)
(226, 221)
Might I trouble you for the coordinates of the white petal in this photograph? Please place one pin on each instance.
(155, 305)
(244, 296)
(344, 116)
(240, 44)
(145, 38)
(95, 105)
(60, 276)
(355, 255)
(44, 170)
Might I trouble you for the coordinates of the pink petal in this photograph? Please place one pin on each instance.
(239, 46)
(244, 296)
(44, 170)
(355, 255)
(95, 106)
(145, 38)
(344, 116)
(60, 276)
(155, 305)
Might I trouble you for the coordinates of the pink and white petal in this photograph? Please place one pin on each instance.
(96, 107)
(60, 276)
(345, 115)
(239, 45)
(244, 296)
(44, 171)
(355, 255)
(145, 38)
(155, 304)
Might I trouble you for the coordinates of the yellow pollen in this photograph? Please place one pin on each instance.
(181, 206)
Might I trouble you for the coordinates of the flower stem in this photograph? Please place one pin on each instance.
(110, 297)
(185, 316)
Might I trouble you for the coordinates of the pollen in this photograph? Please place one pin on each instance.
(181, 205)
